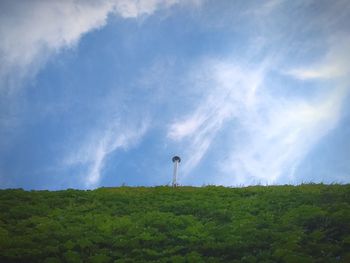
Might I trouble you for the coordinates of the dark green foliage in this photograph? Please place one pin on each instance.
(306, 223)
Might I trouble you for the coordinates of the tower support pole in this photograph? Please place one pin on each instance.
(176, 163)
(176, 160)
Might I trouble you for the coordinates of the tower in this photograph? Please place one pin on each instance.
(176, 161)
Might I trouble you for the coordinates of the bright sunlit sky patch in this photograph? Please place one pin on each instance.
(104, 92)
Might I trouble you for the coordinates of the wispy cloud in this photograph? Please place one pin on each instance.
(31, 31)
(93, 151)
(272, 133)
(265, 8)
(334, 65)
(269, 133)
(240, 95)
(229, 90)
(278, 135)
(134, 8)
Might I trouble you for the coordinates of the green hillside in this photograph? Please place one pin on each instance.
(306, 223)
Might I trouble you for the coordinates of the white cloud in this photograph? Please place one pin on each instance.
(278, 136)
(93, 152)
(264, 9)
(187, 127)
(30, 31)
(228, 90)
(271, 133)
(135, 8)
(334, 65)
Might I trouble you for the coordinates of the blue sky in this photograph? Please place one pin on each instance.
(104, 93)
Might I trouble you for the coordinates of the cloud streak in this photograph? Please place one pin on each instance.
(92, 152)
(334, 65)
(231, 90)
(267, 132)
(278, 135)
(31, 31)
(270, 134)
(257, 85)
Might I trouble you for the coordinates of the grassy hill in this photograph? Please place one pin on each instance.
(306, 223)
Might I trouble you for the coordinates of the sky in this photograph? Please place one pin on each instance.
(105, 92)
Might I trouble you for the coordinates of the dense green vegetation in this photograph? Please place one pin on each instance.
(306, 223)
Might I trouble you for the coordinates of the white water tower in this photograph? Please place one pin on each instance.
(176, 161)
